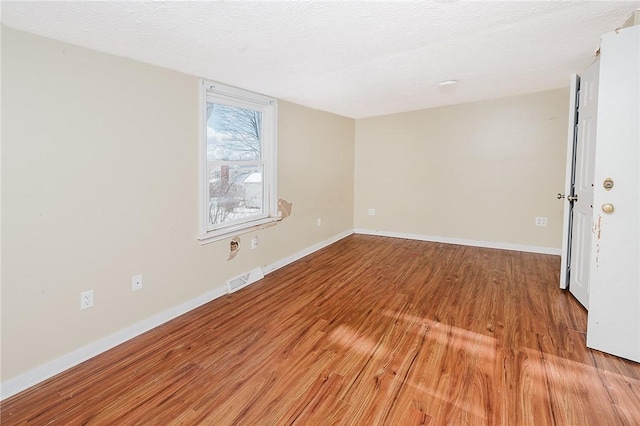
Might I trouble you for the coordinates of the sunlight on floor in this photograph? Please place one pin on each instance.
(469, 362)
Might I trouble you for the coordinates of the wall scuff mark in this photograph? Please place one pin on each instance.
(597, 231)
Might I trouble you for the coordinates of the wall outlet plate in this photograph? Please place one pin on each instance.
(541, 221)
(86, 299)
(136, 282)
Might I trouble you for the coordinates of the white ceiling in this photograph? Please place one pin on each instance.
(357, 59)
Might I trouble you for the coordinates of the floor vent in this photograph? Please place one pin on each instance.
(244, 280)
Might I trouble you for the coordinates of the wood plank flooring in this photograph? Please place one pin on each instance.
(368, 331)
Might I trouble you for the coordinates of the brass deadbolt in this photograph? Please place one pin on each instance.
(608, 184)
(608, 208)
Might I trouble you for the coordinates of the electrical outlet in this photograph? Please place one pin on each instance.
(136, 282)
(541, 221)
(319, 222)
(372, 212)
(254, 243)
(86, 299)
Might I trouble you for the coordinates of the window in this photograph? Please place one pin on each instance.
(238, 161)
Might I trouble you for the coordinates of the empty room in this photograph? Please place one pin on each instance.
(319, 213)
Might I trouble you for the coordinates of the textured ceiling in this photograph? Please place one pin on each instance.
(357, 59)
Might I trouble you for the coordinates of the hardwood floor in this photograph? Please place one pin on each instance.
(369, 331)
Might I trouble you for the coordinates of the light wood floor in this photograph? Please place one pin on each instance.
(369, 331)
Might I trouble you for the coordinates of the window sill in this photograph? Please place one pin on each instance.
(213, 236)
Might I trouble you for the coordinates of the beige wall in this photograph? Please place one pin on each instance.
(100, 182)
(478, 171)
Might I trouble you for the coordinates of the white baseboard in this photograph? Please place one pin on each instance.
(50, 369)
(462, 242)
(302, 253)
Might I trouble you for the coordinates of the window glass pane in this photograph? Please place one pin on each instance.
(238, 170)
(235, 192)
(233, 134)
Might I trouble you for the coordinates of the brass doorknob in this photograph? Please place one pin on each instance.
(572, 198)
(608, 208)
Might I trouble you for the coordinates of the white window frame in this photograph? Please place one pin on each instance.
(220, 93)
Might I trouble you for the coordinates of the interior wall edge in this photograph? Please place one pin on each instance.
(305, 252)
(462, 242)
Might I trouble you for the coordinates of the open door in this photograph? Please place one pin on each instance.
(614, 308)
(576, 258)
(565, 255)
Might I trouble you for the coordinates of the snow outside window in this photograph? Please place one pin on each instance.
(238, 161)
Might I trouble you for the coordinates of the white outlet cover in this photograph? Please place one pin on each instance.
(136, 282)
(541, 221)
(254, 243)
(372, 212)
(86, 299)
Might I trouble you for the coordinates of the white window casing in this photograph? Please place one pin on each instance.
(214, 95)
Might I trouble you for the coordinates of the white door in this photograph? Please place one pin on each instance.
(580, 175)
(582, 191)
(614, 305)
(567, 219)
